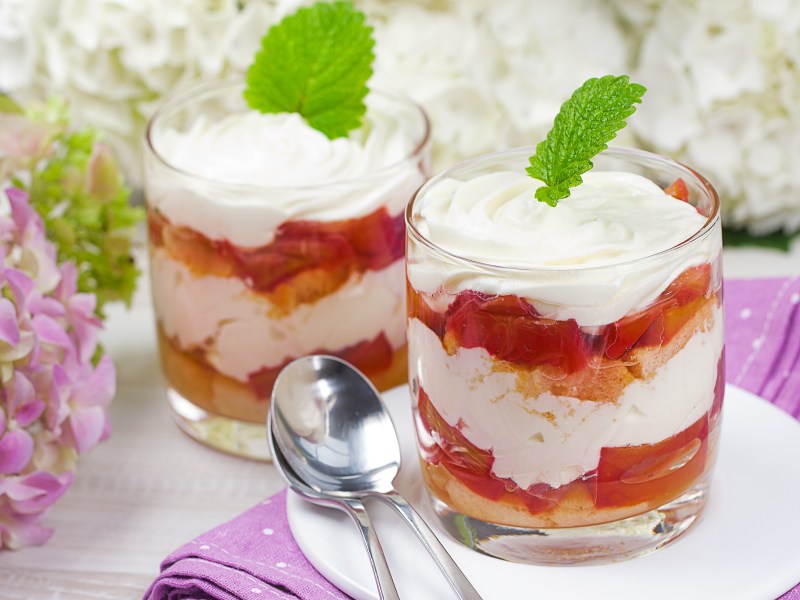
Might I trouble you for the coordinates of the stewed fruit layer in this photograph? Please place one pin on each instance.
(300, 269)
(563, 359)
(305, 260)
(628, 480)
(190, 374)
(509, 328)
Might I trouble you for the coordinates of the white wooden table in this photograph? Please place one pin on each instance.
(150, 488)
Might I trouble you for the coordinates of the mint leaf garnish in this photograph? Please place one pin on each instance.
(590, 119)
(315, 62)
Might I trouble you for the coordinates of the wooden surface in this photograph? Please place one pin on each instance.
(150, 488)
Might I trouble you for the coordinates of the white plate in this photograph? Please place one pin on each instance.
(746, 546)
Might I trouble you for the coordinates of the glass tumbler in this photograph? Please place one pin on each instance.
(247, 276)
(552, 439)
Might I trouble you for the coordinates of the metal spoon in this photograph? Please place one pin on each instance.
(353, 506)
(334, 431)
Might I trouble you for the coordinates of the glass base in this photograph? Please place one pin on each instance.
(240, 438)
(595, 544)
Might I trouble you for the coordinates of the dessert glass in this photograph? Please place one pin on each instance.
(549, 441)
(247, 276)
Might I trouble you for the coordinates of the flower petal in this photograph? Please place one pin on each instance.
(23, 138)
(68, 285)
(9, 325)
(9, 354)
(16, 448)
(87, 426)
(99, 387)
(21, 210)
(50, 331)
(21, 391)
(30, 412)
(104, 180)
(33, 493)
(23, 530)
(39, 260)
(21, 286)
(51, 307)
(28, 404)
(58, 392)
(84, 305)
(86, 325)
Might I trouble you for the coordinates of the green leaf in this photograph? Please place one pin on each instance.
(778, 240)
(7, 105)
(466, 531)
(315, 62)
(79, 193)
(582, 129)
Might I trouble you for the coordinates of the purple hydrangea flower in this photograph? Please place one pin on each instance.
(54, 389)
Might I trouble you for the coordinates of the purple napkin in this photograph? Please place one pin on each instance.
(255, 556)
(762, 343)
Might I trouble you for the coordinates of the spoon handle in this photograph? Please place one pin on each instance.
(455, 576)
(380, 568)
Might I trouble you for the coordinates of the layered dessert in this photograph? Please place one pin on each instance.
(566, 362)
(269, 241)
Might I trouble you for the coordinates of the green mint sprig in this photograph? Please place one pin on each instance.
(590, 119)
(315, 62)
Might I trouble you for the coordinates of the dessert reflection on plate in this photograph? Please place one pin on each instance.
(269, 241)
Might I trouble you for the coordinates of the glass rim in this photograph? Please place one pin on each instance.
(176, 100)
(619, 151)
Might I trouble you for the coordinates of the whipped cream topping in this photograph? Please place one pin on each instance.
(265, 166)
(232, 325)
(280, 149)
(556, 439)
(570, 258)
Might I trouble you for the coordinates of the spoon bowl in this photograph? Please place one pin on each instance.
(330, 425)
(352, 506)
(294, 482)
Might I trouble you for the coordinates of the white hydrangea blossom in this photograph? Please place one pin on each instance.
(724, 97)
(116, 60)
(18, 48)
(724, 86)
(491, 75)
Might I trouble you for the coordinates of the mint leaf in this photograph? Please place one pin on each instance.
(315, 62)
(466, 531)
(582, 129)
